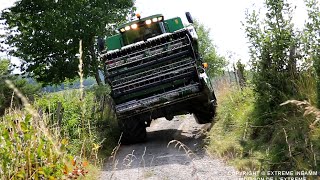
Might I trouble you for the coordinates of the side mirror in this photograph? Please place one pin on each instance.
(189, 17)
(101, 44)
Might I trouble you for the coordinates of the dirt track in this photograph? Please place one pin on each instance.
(156, 160)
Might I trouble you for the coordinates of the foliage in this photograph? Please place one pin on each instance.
(312, 39)
(99, 122)
(27, 151)
(294, 145)
(6, 93)
(208, 50)
(78, 131)
(280, 137)
(233, 126)
(273, 45)
(241, 73)
(46, 34)
(273, 54)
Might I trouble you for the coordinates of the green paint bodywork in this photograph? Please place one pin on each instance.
(173, 24)
(114, 42)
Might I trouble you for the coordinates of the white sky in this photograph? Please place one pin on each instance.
(223, 17)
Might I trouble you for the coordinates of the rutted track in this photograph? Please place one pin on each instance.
(156, 160)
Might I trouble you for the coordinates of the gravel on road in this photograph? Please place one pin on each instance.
(184, 158)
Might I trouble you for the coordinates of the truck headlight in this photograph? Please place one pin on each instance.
(154, 19)
(127, 28)
(134, 26)
(148, 21)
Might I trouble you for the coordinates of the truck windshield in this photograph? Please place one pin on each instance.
(141, 33)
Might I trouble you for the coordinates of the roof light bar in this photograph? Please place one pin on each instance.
(148, 21)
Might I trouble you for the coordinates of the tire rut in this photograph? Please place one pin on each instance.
(157, 159)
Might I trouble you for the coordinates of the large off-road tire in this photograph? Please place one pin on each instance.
(205, 114)
(133, 130)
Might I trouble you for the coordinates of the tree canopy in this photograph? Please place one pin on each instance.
(208, 50)
(45, 34)
(312, 39)
(6, 99)
(273, 50)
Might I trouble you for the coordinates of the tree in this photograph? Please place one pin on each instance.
(241, 73)
(27, 88)
(273, 45)
(275, 50)
(208, 50)
(46, 34)
(312, 39)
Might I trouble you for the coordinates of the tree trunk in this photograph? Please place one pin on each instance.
(105, 73)
(292, 64)
(94, 61)
(97, 77)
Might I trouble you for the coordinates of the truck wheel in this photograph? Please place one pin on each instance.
(205, 114)
(133, 130)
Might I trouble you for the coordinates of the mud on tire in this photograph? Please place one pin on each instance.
(133, 130)
(205, 114)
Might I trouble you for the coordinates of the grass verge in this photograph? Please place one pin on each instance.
(292, 141)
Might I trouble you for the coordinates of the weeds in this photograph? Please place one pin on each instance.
(188, 152)
(292, 145)
(28, 149)
(308, 110)
(184, 147)
(41, 141)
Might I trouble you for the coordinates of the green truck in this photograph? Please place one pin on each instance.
(155, 70)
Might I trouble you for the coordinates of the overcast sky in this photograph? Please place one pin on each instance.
(223, 17)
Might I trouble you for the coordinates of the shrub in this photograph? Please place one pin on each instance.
(28, 150)
(90, 122)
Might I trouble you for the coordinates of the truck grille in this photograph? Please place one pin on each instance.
(145, 71)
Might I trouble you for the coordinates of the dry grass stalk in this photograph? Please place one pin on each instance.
(115, 150)
(113, 157)
(285, 133)
(11, 102)
(185, 148)
(142, 157)
(308, 110)
(314, 155)
(37, 121)
(188, 152)
(128, 160)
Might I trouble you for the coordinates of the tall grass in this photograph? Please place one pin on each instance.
(233, 127)
(59, 136)
(28, 148)
(293, 143)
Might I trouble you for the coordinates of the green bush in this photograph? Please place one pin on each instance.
(35, 145)
(293, 145)
(232, 129)
(27, 150)
(90, 122)
(27, 88)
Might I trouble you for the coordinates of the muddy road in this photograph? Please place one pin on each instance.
(159, 159)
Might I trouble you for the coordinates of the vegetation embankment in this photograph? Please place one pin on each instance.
(292, 145)
(59, 136)
(65, 130)
(263, 126)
